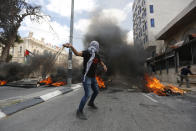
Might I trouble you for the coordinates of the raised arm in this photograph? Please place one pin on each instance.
(68, 45)
(104, 66)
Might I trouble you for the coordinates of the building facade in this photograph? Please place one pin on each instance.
(150, 17)
(179, 37)
(35, 47)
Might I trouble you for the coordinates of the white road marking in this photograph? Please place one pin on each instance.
(50, 95)
(76, 87)
(75, 90)
(150, 98)
(56, 93)
(2, 115)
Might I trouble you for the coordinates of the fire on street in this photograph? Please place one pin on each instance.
(2, 83)
(155, 86)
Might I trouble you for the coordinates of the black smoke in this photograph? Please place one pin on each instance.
(76, 71)
(59, 73)
(121, 58)
(40, 66)
(37, 65)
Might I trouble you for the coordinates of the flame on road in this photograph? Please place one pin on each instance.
(100, 82)
(58, 83)
(49, 81)
(155, 86)
(2, 82)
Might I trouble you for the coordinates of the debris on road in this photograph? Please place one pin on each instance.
(155, 86)
(49, 81)
(2, 82)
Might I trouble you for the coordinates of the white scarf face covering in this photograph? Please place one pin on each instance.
(92, 49)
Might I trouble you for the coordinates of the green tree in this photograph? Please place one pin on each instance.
(12, 13)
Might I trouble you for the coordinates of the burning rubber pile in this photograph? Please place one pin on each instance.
(100, 82)
(50, 82)
(155, 86)
(2, 82)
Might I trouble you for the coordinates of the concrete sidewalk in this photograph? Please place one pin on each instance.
(14, 95)
(18, 103)
(7, 92)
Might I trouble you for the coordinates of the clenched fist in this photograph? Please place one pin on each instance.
(67, 45)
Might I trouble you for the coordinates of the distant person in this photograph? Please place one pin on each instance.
(90, 60)
(184, 75)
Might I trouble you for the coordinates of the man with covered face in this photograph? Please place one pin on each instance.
(90, 60)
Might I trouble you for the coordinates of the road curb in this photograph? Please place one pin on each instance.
(9, 110)
(2, 115)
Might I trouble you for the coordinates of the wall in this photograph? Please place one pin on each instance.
(179, 35)
(164, 12)
(172, 76)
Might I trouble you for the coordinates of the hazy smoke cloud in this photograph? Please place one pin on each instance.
(76, 71)
(122, 59)
(60, 73)
(39, 66)
(35, 66)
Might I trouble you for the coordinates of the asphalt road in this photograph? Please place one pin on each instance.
(119, 110)
(7, 92)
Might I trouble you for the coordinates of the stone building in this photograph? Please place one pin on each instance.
(150, 17)
(35, 47)
(179, 37)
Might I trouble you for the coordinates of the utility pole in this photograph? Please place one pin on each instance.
(69, 78)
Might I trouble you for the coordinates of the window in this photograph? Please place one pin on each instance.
(20, 50)
(146, 37)
(139, 21)
(140, 34)
(139, 10)
(151, 9)
(144, 14)
(152, 22)
(145, 26)
(144, 41)
(143, 29)
(143, 3)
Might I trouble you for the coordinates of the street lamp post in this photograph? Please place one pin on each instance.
(69, 80)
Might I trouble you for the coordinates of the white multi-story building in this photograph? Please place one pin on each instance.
(151, 16)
